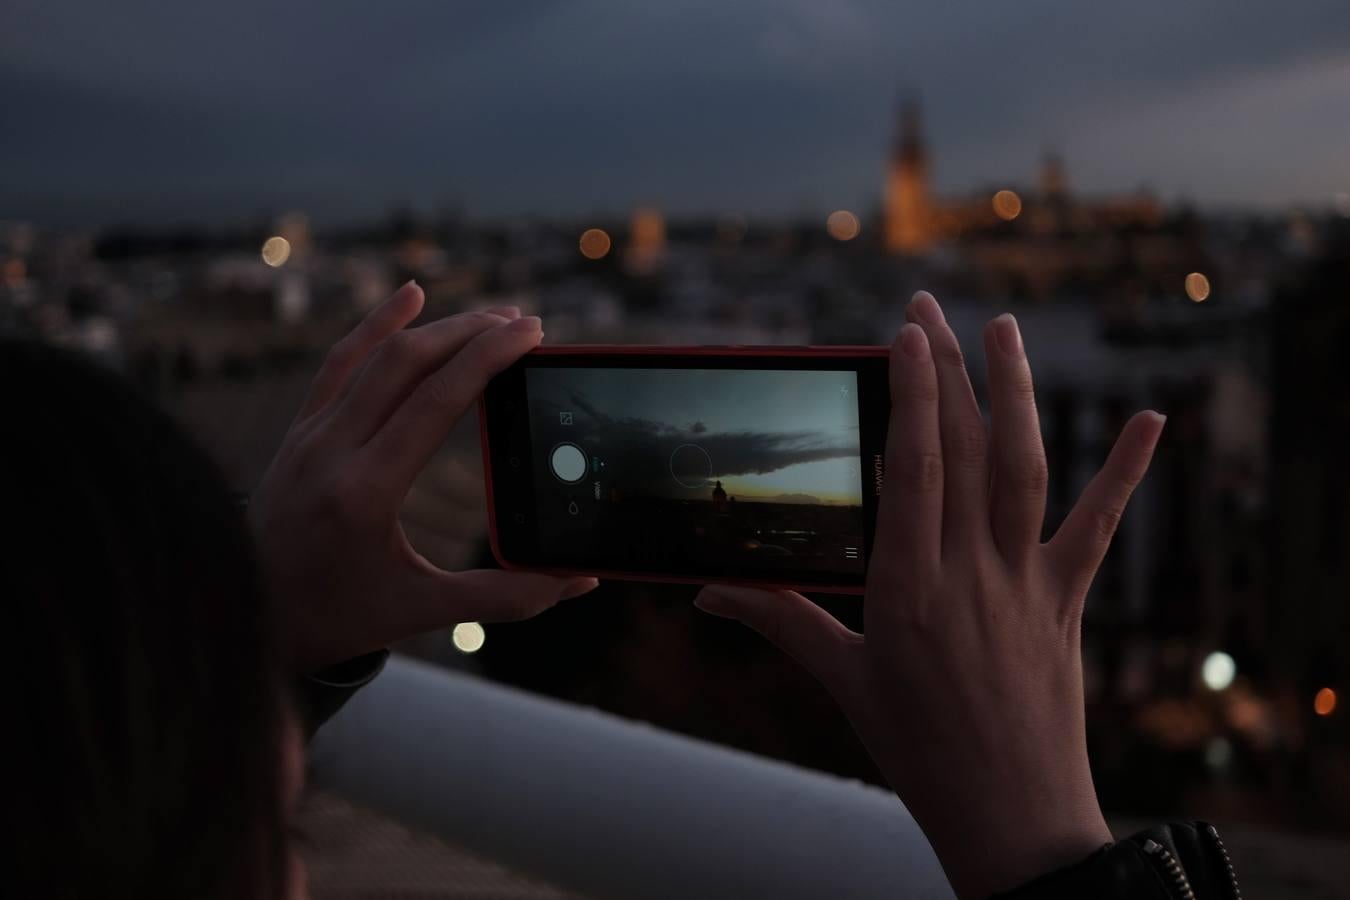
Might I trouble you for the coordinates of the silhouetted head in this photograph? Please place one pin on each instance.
(148, 724)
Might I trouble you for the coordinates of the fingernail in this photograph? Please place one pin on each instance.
(1008, 336)
(913, 341)
(577, 588)
(527, 323)
(926, 308)
(1159, 420)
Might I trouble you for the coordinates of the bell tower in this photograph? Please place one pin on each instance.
(909, 212)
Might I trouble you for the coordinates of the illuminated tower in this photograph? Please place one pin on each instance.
(647, 241)
(909, 212)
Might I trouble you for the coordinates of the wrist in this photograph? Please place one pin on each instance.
(987, 857)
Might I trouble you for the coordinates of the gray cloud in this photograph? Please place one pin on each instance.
(149, 109)
(645, 451)
(751, 453)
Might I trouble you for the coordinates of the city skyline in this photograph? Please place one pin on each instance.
(164, 114)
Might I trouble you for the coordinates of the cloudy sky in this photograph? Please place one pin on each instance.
(159, 110)
(764, 434)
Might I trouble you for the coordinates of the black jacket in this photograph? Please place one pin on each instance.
(1176, 861)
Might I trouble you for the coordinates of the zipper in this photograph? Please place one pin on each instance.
(1172, 867)
(1227, 863)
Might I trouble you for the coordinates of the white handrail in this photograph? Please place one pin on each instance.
(611, 808)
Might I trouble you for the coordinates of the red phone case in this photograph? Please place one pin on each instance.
(843, 352)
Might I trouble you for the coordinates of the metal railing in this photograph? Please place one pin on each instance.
(609, 807)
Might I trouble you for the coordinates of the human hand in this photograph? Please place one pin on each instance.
(967, 687)
(333, 553)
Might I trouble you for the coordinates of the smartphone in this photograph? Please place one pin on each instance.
(745, 465)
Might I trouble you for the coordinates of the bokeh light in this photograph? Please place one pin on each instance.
(594, 243)
(1218, 671)
(15, 271)
(1324, 704)
(1007, 205)
(1197, 287)
(843, 225)
(468, 637)
(1218, 753)
(276, 250)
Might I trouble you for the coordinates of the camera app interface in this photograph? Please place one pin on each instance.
(716, 471)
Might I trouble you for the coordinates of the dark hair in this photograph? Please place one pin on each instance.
(149, 722)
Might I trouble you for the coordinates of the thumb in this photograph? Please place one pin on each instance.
(1080, 545)
(794, 624)
(493, 595)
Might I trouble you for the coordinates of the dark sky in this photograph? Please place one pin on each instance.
(151, 110)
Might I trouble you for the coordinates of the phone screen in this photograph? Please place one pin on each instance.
(694, 470)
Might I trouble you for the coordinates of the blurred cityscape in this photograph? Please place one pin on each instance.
(1217, 633)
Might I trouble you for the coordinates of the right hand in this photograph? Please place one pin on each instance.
(336, 558)
(967, 688)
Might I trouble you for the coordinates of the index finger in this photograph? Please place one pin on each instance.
(909, 520)
(349, 353)
(964, 437)
(410, 437)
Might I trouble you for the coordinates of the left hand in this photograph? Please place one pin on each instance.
(333, 553)
(967, 686)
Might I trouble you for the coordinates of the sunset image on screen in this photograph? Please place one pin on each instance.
(707, 463)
